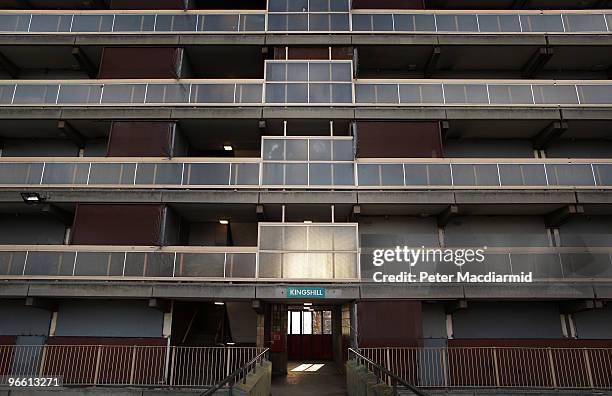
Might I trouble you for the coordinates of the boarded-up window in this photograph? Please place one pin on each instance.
(147, 4)
(140, 139)
(389, 4)
(126, 62)
(110, 224)
(389, 323)
(398, 139)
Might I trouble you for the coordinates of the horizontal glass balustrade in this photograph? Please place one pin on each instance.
(88, 261)
(138, 93)
(306, 16)
(252, 173)
(482, 93)
(544, 263)
(130, 22)
(295, 89)
(308, 251)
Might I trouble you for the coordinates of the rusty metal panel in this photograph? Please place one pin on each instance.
(389, 323)
(118, 224)
(399, 139)
(139, 62)
(140, 139)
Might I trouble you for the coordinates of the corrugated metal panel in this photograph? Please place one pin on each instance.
(389, 323)
(399, 139)
(389, 4)
(110, 224)
(141, 62)
(140, 139)
(147, 4)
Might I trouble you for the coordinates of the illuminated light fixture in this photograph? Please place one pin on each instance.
(307, 221)
(307, 304)
(224, 222)
(32, 198)
(231, 343)
(227, 147)
(219, 303)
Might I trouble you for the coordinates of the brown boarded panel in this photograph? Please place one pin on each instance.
(140, 139)
(389, 323)
(147, 4)
(342, 53)
(117, 224)
(139, 62)
(399, 139)
(309, 53)
(389, 4)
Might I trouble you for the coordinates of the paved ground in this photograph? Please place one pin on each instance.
(301, 379)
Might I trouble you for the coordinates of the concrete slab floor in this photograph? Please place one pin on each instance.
(321, 378)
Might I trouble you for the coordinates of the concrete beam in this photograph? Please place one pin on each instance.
(63, 216)
(11, 68)
(553, 131)
(530, 291)
(160, 304)
(84, 63)
(446, 215)
(537, 62)
(454, 306)
(560, 216)
(70, 132)
(432, 62)
(260, 212)
(41, 303)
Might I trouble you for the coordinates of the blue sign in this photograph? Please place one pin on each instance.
(305, 292)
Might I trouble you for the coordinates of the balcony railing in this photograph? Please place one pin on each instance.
(497, 367)
(317, 253)
(285, 18)
(150, 366)
(547, 264)
(250, 173)
(494, 93)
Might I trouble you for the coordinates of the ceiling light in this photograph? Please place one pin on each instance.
(307, 221)
(227, 147)
(219, 303)
(224, 222)
(230, 343)
(31, 198)
(307, 304)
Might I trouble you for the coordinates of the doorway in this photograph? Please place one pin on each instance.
(309, 333)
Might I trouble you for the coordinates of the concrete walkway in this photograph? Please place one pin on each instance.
(301, 379)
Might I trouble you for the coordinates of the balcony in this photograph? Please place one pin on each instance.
(283, 17)
(323, 252)
(293, 90)
(306, 173)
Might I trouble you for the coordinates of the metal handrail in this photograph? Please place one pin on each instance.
(379, 371)
(240, 374)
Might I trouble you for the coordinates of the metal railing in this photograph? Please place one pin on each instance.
(321, 20)
(250, 173)
(150, 366)
(497, 367)
(240, 374)
(382, 373)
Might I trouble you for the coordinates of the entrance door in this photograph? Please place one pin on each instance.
(309, 334)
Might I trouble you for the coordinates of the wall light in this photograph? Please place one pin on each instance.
(307, 304)
(31, 198)
(307, 221)
(219, 303)
(224, 222)
(230, 343)
(228, 147)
